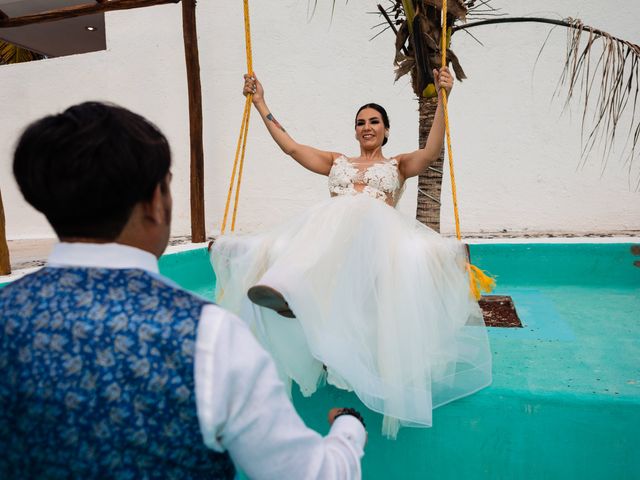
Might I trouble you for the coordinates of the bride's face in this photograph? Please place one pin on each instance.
(370, 128)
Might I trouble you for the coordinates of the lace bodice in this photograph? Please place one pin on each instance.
(379, 180)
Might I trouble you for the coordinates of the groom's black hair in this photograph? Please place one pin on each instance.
(87, 167)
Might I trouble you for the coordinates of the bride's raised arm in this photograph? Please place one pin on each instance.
(318, 161)
(414, 163)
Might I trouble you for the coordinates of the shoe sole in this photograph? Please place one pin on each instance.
(270, 298)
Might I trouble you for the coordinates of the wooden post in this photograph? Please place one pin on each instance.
(190, 34)
(5, 263)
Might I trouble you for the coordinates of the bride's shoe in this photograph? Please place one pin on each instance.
(269, 297)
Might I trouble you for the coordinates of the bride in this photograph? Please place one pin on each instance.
(353, 292)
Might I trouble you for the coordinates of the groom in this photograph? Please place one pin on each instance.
(110, 370)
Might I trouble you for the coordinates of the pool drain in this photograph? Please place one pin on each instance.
(499, 311)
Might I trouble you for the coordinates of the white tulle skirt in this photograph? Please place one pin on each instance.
(381, 300)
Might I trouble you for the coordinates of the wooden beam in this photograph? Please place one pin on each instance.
(190, 35)
(79, 11)
(5, 262)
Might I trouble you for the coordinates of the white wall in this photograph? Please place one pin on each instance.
(516, 156)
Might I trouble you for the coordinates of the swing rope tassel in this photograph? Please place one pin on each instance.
(238, 163)
(478, 280)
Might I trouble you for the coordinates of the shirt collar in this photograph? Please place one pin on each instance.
(101, 255)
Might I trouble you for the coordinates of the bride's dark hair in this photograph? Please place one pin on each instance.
(381, 111)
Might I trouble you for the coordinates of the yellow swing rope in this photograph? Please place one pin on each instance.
(479, 281)
(242, 138)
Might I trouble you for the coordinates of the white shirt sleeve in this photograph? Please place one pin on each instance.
(243, 408)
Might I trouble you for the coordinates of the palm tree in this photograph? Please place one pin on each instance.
(10, 53)
(417, 28)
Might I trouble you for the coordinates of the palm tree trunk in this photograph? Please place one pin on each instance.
(5, 264)
(429, 181)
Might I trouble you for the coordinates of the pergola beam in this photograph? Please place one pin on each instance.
(78, 11)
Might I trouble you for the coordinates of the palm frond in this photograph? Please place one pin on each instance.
(312, 6)
(614, 73)
(612, 76)
(482, 9)
(611, 66)
(416, 24)
(10, 53)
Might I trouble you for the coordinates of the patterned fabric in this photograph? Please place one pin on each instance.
(380, 180)
(97, 378)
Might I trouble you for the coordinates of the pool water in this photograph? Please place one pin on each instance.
(565, 399)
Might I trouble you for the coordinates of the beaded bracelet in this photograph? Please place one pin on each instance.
(353, 412)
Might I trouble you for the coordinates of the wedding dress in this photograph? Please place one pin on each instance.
(382, 302)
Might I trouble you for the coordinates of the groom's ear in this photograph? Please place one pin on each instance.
(153, 208)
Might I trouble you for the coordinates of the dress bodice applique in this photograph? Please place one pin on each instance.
(380, 180)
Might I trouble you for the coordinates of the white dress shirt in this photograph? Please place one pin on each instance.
(242, 405)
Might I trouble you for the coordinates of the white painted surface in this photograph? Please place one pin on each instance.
(516, 157)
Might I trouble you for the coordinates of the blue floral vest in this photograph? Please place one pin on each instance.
(96, 378)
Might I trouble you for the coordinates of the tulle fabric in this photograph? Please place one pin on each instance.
(381, 300)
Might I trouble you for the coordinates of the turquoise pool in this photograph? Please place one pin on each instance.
(565, 400)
